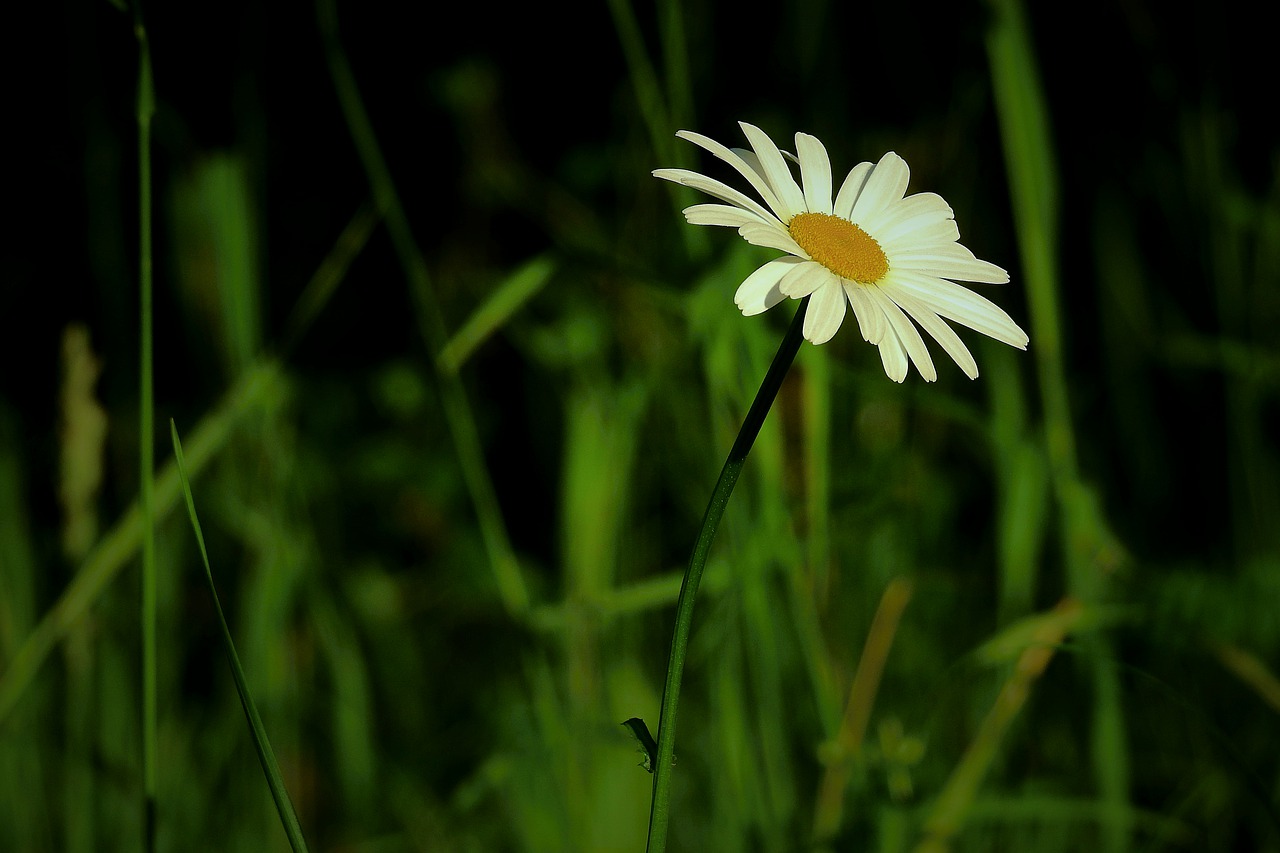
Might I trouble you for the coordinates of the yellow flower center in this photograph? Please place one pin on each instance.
(840, 246)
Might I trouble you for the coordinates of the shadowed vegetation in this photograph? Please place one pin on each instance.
(454, 381)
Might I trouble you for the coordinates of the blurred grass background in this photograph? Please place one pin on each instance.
(455, 380)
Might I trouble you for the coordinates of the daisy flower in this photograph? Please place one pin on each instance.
(893, 257)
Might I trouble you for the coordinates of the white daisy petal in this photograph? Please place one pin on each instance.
(771, 237)
(754, 162)
(960, 304)
(949, 260)
(936, 327)
(915, 222)
(815, 173)
(805, 279)
(712, 187)
(871, 320)
(775, 169)
(760, 291)
(892, 355)
(851, 189)
(907, 333)
(914, 211)
(749, 157)
(720, 214)
(887, 184)
(933, 234)
(752, 172)
(825, 314)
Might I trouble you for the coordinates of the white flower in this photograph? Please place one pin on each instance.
(891, 257)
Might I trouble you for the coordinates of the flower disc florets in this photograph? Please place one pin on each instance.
(840, 246)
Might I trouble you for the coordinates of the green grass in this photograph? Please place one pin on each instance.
(455, 380)
(261, 742)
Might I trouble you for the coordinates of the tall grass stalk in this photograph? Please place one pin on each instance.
(507, 298)
(275, 781)
(328, 275)
(1023, 114)
(857, 715)
(644, 79)
(660, 810)
(664, 104)
(146, 433)
(955, 801)
(508, 577)
(124, 540)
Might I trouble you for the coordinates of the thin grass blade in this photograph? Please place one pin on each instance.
(288, 818)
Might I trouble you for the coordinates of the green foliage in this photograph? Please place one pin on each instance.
(455, 381)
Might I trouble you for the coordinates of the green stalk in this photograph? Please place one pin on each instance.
(146, 435)
(508, 576)
(258, 730)
(119, 545)
(660, 811)
(1023, 113)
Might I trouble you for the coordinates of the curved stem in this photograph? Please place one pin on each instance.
(661, 808)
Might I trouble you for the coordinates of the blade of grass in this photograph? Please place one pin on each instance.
(862, 693)
(17, 551)
(1023, 506)
(146, 433)
(328, 275)
(644, 79)
(288, 819)
(954, 803)
(121, 543)
(811, 588)
(217, 244)
(508, 577)
(1028, 151)
(817, 472)
(25, 749)
(764, 589)
(675, 63)
(660, 117)
(649, 594)
(82, 441)
(1090, 548)
(1252, 670)
(764, 690)
(508, 297)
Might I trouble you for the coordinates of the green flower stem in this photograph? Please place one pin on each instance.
(660, 811)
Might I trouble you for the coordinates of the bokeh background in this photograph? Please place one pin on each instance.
(455, 381)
